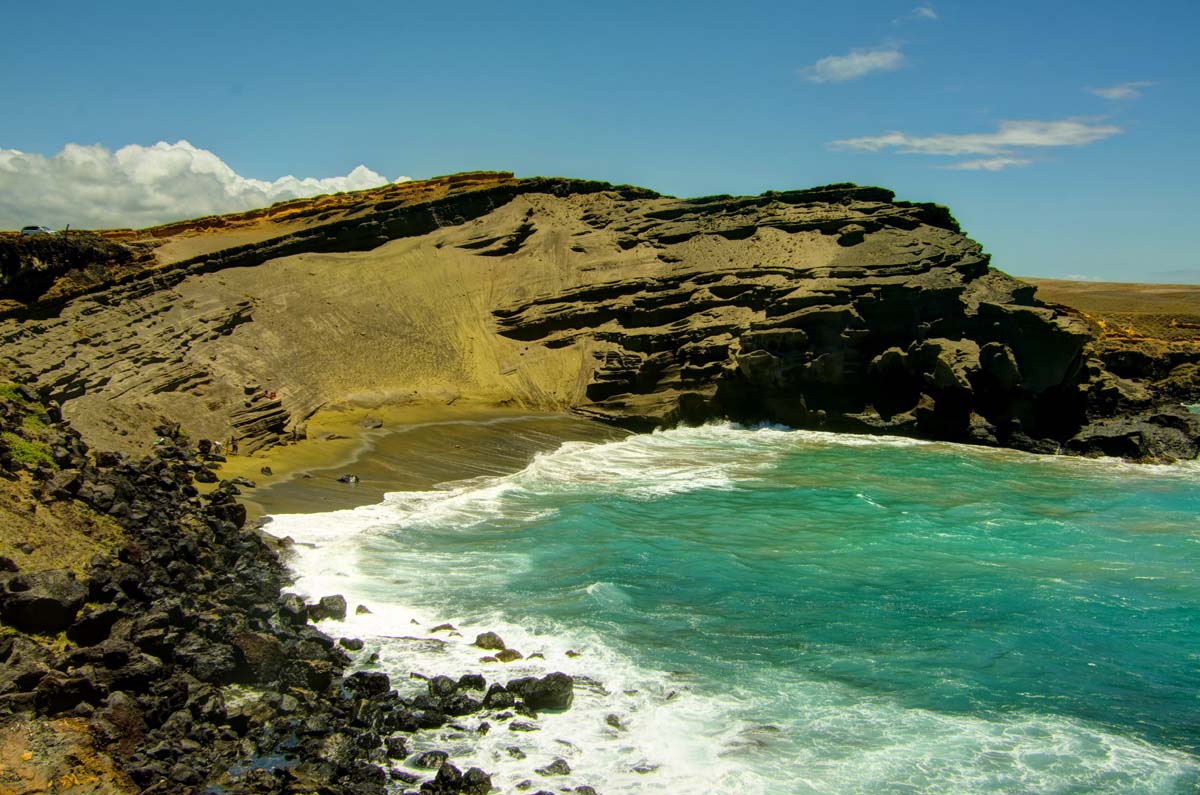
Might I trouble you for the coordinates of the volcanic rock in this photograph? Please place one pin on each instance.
(328, 607)
(558, 767)
(45, 601)
(554, 691)
(836, 307)
(489, 640)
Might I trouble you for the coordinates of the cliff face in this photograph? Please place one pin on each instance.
(831, 308)
(836, 307)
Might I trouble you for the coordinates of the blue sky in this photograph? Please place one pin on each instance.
(1062, 135)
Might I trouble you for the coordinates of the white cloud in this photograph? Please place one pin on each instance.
(93, 187)
(989, 164)
(1008, 136)
(856, 64)
(922, 13)
(1080, 277)
(1131, 90)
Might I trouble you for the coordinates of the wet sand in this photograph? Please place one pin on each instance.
(414, 448)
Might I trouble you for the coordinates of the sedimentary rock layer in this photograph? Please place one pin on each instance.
(835, 307)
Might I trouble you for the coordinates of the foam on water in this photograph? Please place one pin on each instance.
(637, 727)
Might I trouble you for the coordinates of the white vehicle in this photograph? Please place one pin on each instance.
(37, 230)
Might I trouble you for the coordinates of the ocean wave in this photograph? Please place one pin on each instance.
(635, 728)
(652, 466)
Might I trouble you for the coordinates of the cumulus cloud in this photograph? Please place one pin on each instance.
(94, 187)
(1131, 90)
(996, 145)
(855, 64)
(989, 164)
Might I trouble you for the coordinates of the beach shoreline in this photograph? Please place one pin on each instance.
(399, 447)
(415, 448)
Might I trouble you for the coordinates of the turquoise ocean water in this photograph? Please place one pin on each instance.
(774, 611)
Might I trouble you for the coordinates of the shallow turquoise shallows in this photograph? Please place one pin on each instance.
(762, 610)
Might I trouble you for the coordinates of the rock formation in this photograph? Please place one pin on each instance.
(173, 664)
(835, 307)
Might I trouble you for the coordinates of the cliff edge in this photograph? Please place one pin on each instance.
(836, 307)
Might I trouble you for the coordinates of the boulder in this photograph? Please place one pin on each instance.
(558, 767)
(25, 663)
(554, 692)
(489, 640)
(209, 661)
(498, 697)
(460, 704)
(95, 625)
(429, 718)
(45, 601)
(430, 760)
(523, 726)
(396, 747)
(262, 657)
(62, 485)
(59, 693)
(449, 779)
(442, 687)
(476, 782)
(369, 684)
(328, 607)
(471, 682)
(1150, 436)
(292, 609)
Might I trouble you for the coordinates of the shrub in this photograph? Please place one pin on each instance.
(30, 454)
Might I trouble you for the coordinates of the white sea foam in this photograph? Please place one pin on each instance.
(679, 735)
(768, 732)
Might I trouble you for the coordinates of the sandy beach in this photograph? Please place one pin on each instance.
(399, 448)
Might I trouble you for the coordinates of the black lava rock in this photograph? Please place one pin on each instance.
(44, 601)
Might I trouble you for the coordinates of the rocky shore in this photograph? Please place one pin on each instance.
(181, 659)
(169, 651)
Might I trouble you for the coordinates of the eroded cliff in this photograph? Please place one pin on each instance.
(835, 307)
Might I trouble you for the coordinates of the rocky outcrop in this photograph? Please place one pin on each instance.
(178, 661)
(906, 331)
(836, 307)
(46, 601)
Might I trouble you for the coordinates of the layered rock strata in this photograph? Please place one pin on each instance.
(836, 307)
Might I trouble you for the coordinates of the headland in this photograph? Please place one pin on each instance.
(308, 331)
